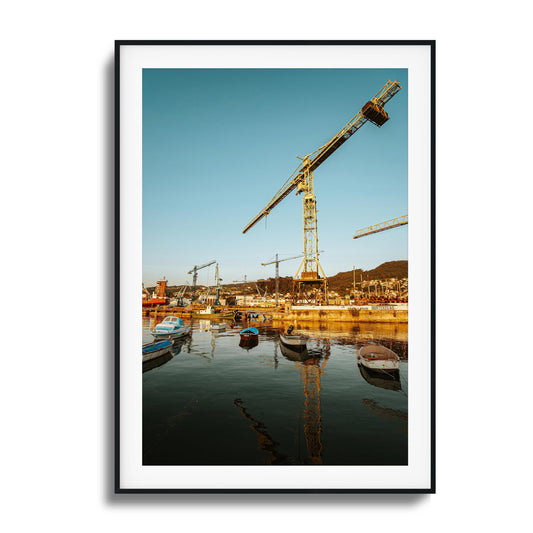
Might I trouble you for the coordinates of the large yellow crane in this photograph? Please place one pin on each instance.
(301, 180)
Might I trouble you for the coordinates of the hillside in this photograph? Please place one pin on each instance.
(340, 282)
(391, 269)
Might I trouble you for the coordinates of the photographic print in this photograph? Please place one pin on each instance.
(275, 269)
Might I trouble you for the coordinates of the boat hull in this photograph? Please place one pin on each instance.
(377, 358)
(294, 342)
(157, 349)
(249, 336)
(154, 302)
(171, 335)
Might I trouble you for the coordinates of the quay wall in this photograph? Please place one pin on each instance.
(343, 314)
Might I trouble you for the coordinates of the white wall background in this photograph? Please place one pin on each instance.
(56, 223)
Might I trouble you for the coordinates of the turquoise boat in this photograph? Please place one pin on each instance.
(156, 349)
(249, 333)
(171, 328)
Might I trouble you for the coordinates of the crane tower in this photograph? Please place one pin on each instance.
(194, 272)
(310, 274)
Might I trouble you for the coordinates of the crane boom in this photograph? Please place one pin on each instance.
(309, 164)
(382, 226)
(194, 268)
(194, 272)
(280, 260)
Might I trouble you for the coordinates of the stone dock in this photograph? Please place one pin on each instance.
(365, 313)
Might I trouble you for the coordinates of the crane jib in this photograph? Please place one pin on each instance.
(372, 111)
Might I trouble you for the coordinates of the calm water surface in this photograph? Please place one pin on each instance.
(213, 402)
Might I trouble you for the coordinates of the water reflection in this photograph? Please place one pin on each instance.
(165, 358)
(387, 412)
(158, 361)
(276, 405)
(311, 369)
(265, 442)
(248, 344)
(389, 381)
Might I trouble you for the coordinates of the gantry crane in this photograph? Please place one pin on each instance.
(382, 226)
(217, 281)
(301, 179)
(194, 272)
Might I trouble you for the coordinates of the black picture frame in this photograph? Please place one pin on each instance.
(119, 45)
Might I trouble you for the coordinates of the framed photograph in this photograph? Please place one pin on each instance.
(275, 284)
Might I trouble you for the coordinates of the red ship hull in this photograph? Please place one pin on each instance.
(154, 302)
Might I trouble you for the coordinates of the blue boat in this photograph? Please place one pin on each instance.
(171, 328)
(249, 333)
(156, 349)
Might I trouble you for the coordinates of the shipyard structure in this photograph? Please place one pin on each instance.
(309, 298)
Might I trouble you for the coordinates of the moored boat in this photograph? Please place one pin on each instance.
(294, 342)
(249, 333)
(219, 326)
(172, 327)
(377, 358)
(156, 349)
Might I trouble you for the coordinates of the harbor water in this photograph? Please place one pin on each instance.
(214, 402)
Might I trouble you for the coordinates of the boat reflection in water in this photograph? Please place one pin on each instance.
(311, 370)
(248, 344)
(154, 363)
(389, 380)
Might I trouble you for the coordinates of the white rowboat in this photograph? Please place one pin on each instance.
(378, 358)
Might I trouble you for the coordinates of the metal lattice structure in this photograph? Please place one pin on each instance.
(218, 286)
(194, 272)
(382, 226)
(301, 180)
(277, 262)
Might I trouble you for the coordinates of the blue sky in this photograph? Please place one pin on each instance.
(219, 143)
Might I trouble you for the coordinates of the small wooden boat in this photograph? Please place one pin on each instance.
(153, 350)
(249, 333)
(378, 358)
(171, 328)
(294, 342)
(220, 326)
